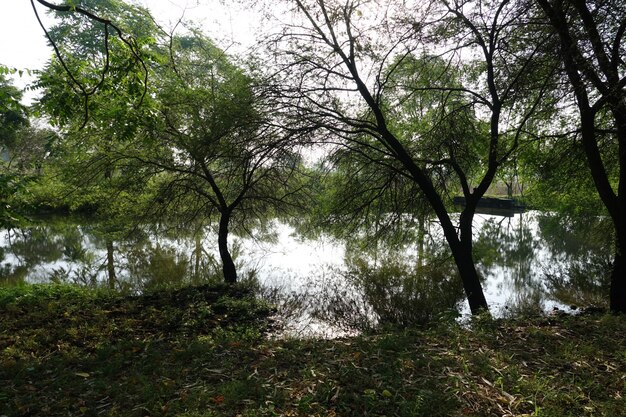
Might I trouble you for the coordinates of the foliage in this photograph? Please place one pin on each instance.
(557, 177)
(209, 147)
(354, 197)
(430, 109)
(13, 120)
(96, 60)
(9, 184)
(13, 114)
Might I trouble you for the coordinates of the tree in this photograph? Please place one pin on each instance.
(93, 92)
(90, 22)
(13, 114)
(200, 140)
(591, 52)
(13, 120)
(210, 146)
(339, 67)
(371, 194)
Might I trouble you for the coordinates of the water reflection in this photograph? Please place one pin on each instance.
(581, 258)
(529, 262)
(537, 261)
(29, 255)
(510, 255)
(406, 290)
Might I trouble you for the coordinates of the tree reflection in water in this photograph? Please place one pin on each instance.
(405, 285)
(581, 250)
(529, 263)
(87, 255)
(508, 252)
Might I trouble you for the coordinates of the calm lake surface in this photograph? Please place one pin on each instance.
(530, 262)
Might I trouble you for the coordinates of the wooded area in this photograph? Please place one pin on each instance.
(387, 126)
(411, 106)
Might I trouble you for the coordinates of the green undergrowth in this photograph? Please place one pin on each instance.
(205, 351)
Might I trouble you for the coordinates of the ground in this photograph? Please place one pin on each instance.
(209, 351)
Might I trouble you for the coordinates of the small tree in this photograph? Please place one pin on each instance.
(209, 144)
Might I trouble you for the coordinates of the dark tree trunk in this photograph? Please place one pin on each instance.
(461, 246)
(614, 202)
(464, 258)
(228, 266)
(617, 294)
(469, 276)
(111, 265)
(618, 285)
(198, 254)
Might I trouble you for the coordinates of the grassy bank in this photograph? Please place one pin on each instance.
(202, 352)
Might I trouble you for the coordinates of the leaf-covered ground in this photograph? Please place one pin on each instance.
(202, 352)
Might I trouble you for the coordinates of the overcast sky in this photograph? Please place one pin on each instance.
(23, 44)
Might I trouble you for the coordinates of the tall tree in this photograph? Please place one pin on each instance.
(340, 67)
(592, 53)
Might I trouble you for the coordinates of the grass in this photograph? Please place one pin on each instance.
(203, 352)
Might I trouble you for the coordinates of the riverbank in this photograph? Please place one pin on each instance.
(205, 352)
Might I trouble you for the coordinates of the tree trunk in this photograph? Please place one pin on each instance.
(198, 254)
(617, 294)
(462, 252)
(111, 265)
(618, 285)
(461, 247)
(228, 266)
(421, 235)
(469, 276)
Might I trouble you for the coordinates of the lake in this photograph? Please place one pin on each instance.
(531, 262)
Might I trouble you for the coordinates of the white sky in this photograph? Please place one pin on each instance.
(23, 44)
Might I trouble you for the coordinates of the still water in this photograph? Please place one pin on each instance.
(530, 262)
